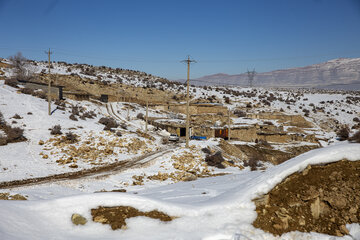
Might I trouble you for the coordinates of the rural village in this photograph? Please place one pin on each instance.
(106, 137)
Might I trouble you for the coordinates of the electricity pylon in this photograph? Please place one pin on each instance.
(251, 75)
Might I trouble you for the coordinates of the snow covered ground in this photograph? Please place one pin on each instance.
(27, 159)
(210, 208)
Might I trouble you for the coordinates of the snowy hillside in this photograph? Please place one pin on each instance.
(342, 71)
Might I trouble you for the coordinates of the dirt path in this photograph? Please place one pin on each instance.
(105, 170)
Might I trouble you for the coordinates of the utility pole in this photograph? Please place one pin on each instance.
(146, 116)
(49, 83)
(229, 122)
(251, 75)
(188, 61)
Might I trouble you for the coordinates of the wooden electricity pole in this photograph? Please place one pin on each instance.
(146, 117)
(49, 83)
(188, 61)
(229, 122)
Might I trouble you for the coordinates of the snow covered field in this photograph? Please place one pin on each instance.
(211, 208)
(26, 159)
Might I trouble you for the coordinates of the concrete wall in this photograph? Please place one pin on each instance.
(56, 92)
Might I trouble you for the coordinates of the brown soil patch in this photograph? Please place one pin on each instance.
(295, 151)
(5, 65)
(271, 155)
(232, 150)
(116, 216)
(262, 153)
(322, 198)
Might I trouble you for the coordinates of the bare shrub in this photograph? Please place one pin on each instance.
(59, 102)
(17, 116)
(140, 116)
(165, 140)
(253, 163)
(110, 125)
(11, 82)
(75, 110)
(343, 133)
(239, 113)
(206, 150)
(14, 134)
(71, 137)
(3, 140)
(266, 102)
(27, 90)
(2, 120)
(104, 120)
(40, 94)
(90, 114)
(108, 122)
(21, 67)
(56, 130)
(215, 160)
(73, 117)
(355, 138)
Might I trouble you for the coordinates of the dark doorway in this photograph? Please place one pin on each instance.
(104, 98)
(182, 132)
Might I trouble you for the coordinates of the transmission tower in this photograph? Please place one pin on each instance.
(251, 75)
(188, 61)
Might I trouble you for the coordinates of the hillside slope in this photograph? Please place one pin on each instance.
(333, 72)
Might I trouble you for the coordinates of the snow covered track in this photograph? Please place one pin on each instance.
(103, 170)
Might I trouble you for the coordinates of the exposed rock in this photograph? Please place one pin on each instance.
(7, 196)
(77, 219)
(323, 198)
(116, 216)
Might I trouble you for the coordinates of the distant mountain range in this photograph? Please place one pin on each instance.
(342, 73)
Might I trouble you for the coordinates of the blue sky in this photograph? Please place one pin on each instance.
(154, 36)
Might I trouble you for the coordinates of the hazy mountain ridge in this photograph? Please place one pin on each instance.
(333, 72)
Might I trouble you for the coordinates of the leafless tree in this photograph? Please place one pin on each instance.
(21, 66)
